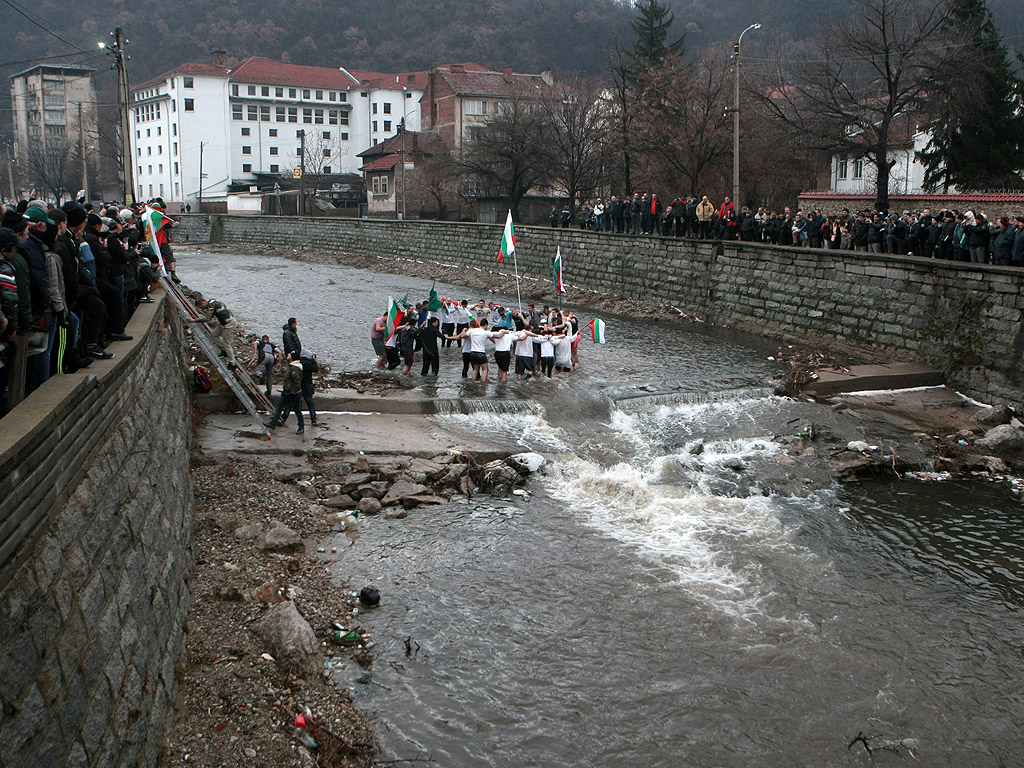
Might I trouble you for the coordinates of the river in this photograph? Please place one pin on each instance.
(676, 590)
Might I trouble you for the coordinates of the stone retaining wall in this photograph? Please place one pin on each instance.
(95, 553)
(963, 319)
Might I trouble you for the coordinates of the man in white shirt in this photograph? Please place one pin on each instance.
(476, 339)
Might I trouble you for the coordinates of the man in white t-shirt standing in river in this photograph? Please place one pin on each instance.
(476, 339)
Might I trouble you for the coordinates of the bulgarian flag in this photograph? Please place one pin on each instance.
(597, 330)
(153, 220)
(394, 317)
(559, 286)
(508, 239)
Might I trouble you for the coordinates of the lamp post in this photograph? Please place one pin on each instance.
(736, 122)
(405, 128)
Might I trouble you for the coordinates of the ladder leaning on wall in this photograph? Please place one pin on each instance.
(246, 390)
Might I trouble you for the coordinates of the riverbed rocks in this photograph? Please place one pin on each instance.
(289, 638)
(279, 538)
(369, 506)
(1004, 440)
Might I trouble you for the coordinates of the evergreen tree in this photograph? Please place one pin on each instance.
(978, 130)
(651, 29)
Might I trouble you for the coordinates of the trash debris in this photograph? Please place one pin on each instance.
(369, 596)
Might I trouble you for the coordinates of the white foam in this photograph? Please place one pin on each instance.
(528, 430)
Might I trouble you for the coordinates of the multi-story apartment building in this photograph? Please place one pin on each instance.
(254, 120)
(48, 102)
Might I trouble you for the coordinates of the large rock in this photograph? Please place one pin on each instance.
(280, 538)
(1000, 414)
(1005, 441)
(289, 638)
(369, 506)
(400, 491)
(341, 501)
(248, 532)
(421, 500)
(376, 489)
(354, 480)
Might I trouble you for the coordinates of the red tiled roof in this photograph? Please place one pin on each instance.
(427, 142)
(481, 82)
(264, 71)
(189, 68)
(385, 163)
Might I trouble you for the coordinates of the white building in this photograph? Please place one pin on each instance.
(251, 120)
(854, 174)
(47, 102)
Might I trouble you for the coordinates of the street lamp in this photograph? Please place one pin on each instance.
(736, 122)
(405, 128)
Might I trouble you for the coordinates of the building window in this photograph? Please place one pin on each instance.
(246, 150)
(148, 134)
(149, 150)
(174, 129)
(375, 107)
(161, 190)
(246, 131)
(332, 116)
(279, 114)
(331, 95)
(160, 168)
(236, 111)
(343, 119)
(408, 95)
(387, 126)
(190, 106)
(175, 148)
(150, 190)
(293, 114)
(140, 170)
(149, 169)
(319, 116)
(305, 93)
(327, 169)
(291, 93)
(251, 112)
(252, 90)
(279, 92)
(327, 135)
(476, 107)
(858, 169)
(319, 95)
(265, 90)
(327, 152)
(265, 114)
(275, 169)
(387, 107)
(138, 134)
(246, 167)
(273, 150)
(177, 189)
(175, 169)
(841, 170)
(234, 90)
(380, 185)
(159, 130)
(342, 96)
(307, 115)
(273, 133)
(160, 149)
(187, 82)
(374, 125)
(344, 136)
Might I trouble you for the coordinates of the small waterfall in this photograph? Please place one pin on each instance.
(646, 402)
(468, 407)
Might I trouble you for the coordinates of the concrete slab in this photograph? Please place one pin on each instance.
(371, 434)
(863, 378)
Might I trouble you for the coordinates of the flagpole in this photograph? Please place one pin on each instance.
(515, 263)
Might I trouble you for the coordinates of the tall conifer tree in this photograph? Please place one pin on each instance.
(651, 29)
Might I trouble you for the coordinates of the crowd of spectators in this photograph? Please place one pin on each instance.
(70, 279)
(969, 236)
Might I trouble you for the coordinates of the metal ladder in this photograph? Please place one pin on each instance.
(246, 390)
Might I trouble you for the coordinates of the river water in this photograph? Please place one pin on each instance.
(675, 591)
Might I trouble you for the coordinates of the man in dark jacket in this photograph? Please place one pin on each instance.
(309, 367)
(8, 311)
(290, 337)
(96, 236)
(291, 391)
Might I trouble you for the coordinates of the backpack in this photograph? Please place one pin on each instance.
(221, 313)
(201, 379)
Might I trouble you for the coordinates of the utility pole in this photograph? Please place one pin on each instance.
(736, 124)
(301, 208)
(81, 152)
(10, 167)
(121, 65)
(199, 205)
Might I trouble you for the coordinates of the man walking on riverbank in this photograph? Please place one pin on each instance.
(291, 391)
(290, 337)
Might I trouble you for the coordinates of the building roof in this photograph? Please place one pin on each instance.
(188, 68)
(54, 69)
(422, 142)
(414, 81)
(474, 80)
(259, 69)
(385, 163)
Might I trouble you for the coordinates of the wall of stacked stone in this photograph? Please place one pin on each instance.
(95, 553)
(963, 319)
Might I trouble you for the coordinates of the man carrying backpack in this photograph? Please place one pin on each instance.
(217, 318)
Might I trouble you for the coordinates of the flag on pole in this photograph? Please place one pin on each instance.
(597, 330)
(394, 318)
(434, 305)
(559, 286)
(508, 239)
(404, 301)
(153, 220)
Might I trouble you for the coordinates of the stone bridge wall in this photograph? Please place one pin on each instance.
(95, 553)
(963, 319)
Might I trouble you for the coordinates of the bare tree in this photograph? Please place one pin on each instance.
(433, 187)
(686, 123)
(53, 165)
(860, 74)
(504, 156)
(621, 108)
(575, 130)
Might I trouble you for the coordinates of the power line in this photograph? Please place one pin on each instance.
(43, 27)
(47, 58)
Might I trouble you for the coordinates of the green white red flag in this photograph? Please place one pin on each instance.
(152, 221)
(597, 330)
(394, 318)
(559, 286)
(508, 239)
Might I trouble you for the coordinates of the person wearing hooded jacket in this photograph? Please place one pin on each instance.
(290, 337)
(291, 390)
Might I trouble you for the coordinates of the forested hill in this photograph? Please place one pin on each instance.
(387, 35)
